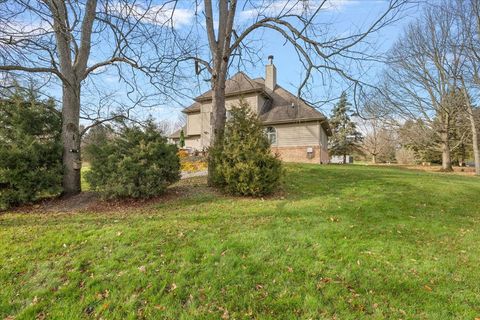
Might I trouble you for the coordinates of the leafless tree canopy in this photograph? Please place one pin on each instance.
(432, 71)
(232, 28)
(72, 41)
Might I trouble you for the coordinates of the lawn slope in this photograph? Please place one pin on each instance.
(341, 242)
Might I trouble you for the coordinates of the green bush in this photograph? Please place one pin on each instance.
(134, 162)
(242, 160)
(30, 149)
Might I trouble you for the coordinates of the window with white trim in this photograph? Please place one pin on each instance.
(271, 133)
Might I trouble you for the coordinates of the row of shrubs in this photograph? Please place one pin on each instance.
(129, 161)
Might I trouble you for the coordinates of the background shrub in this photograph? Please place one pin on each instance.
(30, 149)
(134, 162)
(242, 159)
(405, 156)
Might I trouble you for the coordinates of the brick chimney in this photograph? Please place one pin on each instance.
(270, 74)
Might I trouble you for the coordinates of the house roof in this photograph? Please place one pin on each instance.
(194, 107)
(282, 106)
(239, 83)
(176, 134)
(285, 107)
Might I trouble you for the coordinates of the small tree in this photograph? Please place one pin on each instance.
(182, 139)
(345, 137)
(242, 158)
(137, 162)
(30, 149)
(379, 143)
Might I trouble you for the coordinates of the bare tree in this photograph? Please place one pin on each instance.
(299, 23)
(422, 73)
(468, 14)
(56, 38)
(379, 136)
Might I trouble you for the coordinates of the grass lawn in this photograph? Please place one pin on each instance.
(344, 242)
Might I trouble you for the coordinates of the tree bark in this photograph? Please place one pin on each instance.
(374, 159)
(218, 117)
(476, 151)
(473, 125)
(344, 158)
(71, 139)
(446, 158)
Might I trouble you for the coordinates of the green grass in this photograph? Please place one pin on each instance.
(345, 242)
(85, 185)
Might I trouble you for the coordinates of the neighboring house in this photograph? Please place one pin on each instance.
(297, 131)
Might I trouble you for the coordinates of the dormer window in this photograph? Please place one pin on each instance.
(271, 135)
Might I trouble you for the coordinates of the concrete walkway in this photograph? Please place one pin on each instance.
(186, 175)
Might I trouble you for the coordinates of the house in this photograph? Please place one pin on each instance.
(297, 131)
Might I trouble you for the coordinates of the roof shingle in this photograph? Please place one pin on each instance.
(239, 83)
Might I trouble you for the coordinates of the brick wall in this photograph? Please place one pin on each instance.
(299, 154)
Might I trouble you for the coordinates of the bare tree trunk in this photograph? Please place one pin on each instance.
(374, 158)
(476, 151)
(446, 158)
(218, 116)
(471, 117)
(71, 139)
(344, 158)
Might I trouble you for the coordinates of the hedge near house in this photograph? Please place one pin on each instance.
(133, 162)
(30, 149)
(243, 162)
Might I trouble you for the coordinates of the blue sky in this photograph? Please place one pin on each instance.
(343, 17)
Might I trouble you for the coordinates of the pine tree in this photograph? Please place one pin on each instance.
(30, 148)
(136, 162)
(243, 161)
(345, 137)
(182, 139)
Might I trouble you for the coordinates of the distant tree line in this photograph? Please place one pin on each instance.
(426, 105)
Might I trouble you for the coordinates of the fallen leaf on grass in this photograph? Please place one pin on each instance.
(322, 282)
(142, 269)
(171, 287)
(427, 288)
(41, 316)
(225, 314)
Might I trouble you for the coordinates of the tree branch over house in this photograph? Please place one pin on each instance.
(298, 22)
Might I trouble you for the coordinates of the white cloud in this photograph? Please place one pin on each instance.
(157, 14)
(26, 28)
(275, 8)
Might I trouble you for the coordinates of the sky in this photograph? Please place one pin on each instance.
(345, 17)
(341, 17)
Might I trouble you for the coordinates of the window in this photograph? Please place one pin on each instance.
(272, 135)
